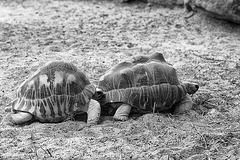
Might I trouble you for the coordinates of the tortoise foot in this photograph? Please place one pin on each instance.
(89, 124)
(122, 112)
(21, 117)
(120, 118)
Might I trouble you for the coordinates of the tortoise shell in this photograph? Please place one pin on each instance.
(53, 91)
(139, 71)
(145, 82)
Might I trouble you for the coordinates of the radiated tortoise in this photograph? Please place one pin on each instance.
(54, 93)
(143, 84)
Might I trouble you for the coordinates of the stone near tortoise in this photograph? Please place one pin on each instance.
(54, 93)
(143, 84)
(228, 10)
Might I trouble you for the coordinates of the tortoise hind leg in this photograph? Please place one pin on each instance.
(185, 105)
(122, 112)
(94, 111)
(17, 118)
(21, 117)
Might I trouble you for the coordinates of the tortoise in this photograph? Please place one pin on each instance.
(54, 93)
(143, 84)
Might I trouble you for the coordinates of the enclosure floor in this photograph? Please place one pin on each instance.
(96, 35)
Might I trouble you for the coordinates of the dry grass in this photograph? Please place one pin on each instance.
(95, 35)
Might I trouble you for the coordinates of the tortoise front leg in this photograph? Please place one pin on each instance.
(94, 112)
(122, 112)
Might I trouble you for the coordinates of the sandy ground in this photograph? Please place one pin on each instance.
(95, 35)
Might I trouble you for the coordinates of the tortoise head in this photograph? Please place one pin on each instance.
(99, 94)
(191, 87)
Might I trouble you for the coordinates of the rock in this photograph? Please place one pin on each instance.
(228, 10)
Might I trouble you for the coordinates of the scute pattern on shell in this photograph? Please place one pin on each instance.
(53, 91)
(149, 98)
(139, 71)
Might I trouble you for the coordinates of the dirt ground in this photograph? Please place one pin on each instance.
(95, 35)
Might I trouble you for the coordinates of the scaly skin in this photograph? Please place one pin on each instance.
(21, 117)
